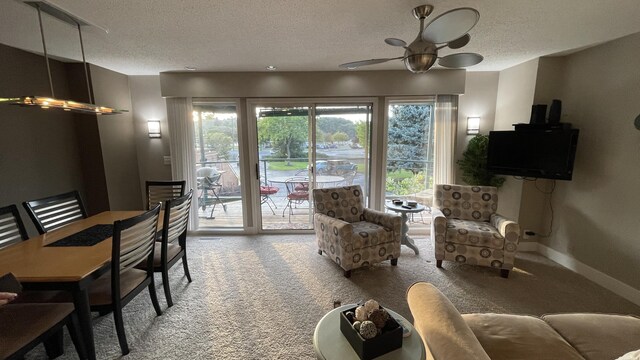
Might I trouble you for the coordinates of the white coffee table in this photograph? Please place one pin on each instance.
(330, 344)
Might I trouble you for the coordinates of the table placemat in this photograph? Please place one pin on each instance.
(87, 237)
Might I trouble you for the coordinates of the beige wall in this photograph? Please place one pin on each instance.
(148, 104)
(516, 88)
(596, 214)
(39, 154)
(311, 84)
(479, 99)
(117, 139)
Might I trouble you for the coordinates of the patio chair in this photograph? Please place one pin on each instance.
(209, 187)
(159, 191)
(295, 197)
(265, 196)
(56, 211)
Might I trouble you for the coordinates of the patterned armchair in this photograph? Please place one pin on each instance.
(467, 229)
(350, 234)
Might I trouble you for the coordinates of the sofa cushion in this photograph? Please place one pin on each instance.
(443, 331)
(513, 337)
(598, 336)
(474, 233)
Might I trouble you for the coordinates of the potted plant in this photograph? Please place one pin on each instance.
(474, 164)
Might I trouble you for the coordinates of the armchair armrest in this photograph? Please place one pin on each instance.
(505, 226)
(438, 231)
(342, 229)
(390, 221)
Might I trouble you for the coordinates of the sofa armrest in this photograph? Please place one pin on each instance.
(443, 330)
(390, 221)
(341, 230)
(438, 231)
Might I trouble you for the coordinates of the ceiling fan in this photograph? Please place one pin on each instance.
(449, 29)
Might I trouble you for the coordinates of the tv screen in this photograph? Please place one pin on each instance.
(547, 154)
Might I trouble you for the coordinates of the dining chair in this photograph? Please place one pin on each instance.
(24, 326)
(295, 197)
(176, 219)
(56, 211)
(11, 227)
(133, 242)
(159, 191)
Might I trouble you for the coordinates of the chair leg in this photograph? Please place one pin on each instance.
(347, 273)
(439, 263)
(54, 344)
(103, 312)
(319, 252)
(394, 262)
(122, 337)
(504, 273)
(154, 297)
(76, 335)
(165, 284)
(185, 265)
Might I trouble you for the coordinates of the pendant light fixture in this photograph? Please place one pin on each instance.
(50, 102)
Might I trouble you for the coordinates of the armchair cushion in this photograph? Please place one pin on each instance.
(476, 233)
(344, 203)
(467, 202)
(369, 234)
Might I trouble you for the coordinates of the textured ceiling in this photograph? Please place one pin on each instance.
(147, 37)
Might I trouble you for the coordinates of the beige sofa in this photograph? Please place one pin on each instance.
(449, 335)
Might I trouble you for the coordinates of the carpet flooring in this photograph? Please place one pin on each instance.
(260, 297)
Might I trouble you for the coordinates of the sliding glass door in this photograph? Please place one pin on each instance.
(218, 174)
(303, 147)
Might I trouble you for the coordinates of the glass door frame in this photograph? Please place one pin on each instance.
(251, 127)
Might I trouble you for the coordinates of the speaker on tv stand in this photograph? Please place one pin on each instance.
(538, 114)
(555, 112)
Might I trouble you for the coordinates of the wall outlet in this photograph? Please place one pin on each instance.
(528, 234)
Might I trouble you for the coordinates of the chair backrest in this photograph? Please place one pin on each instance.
(161, 191)
(463, 202)
(344, 203)
(56, 211)
(297, 184)
(11, 227)
(133, 242)
(176, 219)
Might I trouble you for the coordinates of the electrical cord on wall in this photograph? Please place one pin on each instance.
(550, 193)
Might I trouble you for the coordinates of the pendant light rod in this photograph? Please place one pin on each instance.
(44, 47)
(84, 65)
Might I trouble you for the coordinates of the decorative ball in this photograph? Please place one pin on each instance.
(350, 315)
(361, 313)
(356, 325)
(371, 305)
(368, 330)
(379, 318)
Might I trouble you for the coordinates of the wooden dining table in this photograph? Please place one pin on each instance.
(68, 268)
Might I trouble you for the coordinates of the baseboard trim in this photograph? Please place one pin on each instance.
(628, 292)
(528, 246)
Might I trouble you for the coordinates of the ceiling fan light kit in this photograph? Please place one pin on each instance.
(449, 29)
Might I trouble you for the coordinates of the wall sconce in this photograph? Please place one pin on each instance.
(154, 128)
(473, 125)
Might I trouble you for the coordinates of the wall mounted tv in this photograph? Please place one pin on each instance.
(547, 154)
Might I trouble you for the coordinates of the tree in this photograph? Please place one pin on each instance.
(287, 134)
(474, 163)
(410, 137)
(219, 142)
(340, 137)
(361, 133)
(329, 124)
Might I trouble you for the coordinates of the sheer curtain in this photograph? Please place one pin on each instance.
(446, 124)
(183, 158)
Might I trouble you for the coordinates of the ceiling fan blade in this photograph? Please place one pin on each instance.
(450, 25)
(459, 42)
(395, 42)
(460, 60)
(355, 64)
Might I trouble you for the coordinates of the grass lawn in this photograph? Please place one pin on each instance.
(282, 165)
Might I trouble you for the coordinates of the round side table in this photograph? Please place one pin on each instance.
(403, 211)
(330, 344)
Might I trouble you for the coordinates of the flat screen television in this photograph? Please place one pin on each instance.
(547, 154)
